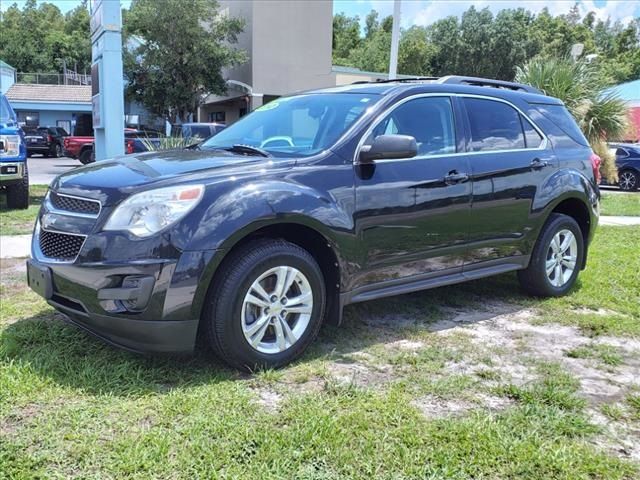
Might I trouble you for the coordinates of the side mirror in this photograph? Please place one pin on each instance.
(389, 146)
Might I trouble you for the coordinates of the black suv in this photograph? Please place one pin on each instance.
(45, 140)
(315, 201)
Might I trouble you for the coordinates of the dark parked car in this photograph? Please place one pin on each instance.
(201, 131)
(628, 164)
(48, 141)
(313, 202)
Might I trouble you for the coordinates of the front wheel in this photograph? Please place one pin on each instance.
(18, 193)
(556, 258)
(267, 305)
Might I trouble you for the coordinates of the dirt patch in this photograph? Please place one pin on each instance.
(359, 375)
(432, 406)
(269, 399)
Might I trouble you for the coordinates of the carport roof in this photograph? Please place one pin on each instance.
(27, 92)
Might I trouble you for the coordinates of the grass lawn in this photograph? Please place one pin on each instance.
(620, 203)
(468, 381)
(18, 222)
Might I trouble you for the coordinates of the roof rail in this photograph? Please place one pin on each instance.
(487, 82)
(392, 80)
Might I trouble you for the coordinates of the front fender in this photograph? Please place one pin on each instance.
(247, 209)
(238, 212)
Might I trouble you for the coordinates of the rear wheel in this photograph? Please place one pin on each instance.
(87, 156)
(18, 193)
(556, 259)
(266, 307)
(57, 151)
(628, 180)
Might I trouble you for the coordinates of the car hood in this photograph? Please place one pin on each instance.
(110, 181)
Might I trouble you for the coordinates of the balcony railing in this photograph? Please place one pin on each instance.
(70, 78)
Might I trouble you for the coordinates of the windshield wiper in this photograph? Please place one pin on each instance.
(247, 150)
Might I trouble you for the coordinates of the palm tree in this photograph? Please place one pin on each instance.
(601, 116)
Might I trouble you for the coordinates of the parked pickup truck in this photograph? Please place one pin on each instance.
(82, 147)
(14, 176)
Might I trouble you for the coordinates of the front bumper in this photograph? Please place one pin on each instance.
(11, 171)
(154, 313)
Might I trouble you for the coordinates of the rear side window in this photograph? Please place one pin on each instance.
(622, 153)
(494, 125)
(429, 120)
(559, 115)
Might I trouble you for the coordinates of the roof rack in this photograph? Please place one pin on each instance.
(487, 82)
(393, 80)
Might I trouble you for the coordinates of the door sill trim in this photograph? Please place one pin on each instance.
(429, 280)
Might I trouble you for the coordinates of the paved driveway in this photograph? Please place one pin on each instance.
(43, 170)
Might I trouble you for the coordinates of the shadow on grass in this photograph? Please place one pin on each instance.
(68, 356)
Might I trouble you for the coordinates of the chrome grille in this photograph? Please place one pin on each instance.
(60, 246)
(74, 204)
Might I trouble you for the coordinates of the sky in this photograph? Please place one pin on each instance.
(425, 12)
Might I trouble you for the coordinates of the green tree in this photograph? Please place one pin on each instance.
(38, 38)
(415, 53)
(183, 47)
(346, 38)
(580, 86)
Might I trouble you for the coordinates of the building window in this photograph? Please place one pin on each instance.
(29, 119)
(217, 117)
(243, 111)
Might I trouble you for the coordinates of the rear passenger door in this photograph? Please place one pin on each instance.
(510, 159)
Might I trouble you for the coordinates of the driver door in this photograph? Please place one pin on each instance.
(412, 214)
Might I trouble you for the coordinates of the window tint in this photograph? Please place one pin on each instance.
(494, 125)
(559, 115)
(531, 136)
(429, 120)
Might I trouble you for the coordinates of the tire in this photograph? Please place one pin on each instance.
(57, 151)
(87, 156)
(535, 279)
(628, 180)
(18, 193)
(228, 314)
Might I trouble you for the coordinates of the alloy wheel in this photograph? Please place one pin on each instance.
(627, 181)
(562, 256)
(277, 309)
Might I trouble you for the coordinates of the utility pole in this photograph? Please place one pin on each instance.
(395, 40)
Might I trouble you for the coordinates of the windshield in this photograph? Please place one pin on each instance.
(6, 114)
(295, 126)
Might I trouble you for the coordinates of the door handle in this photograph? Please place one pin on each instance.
(537, 164)
(454, 177)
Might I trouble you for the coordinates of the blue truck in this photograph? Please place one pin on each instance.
(14, 175)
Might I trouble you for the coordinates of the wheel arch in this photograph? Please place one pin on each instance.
(299, 232)
(576, 207)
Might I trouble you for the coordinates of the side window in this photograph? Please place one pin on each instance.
(429, 120)
(622, 153)
(531, 136)
(494, 125)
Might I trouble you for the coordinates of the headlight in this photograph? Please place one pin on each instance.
(146, 213)
(10, 145)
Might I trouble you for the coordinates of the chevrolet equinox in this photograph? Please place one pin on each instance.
(254, 238)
